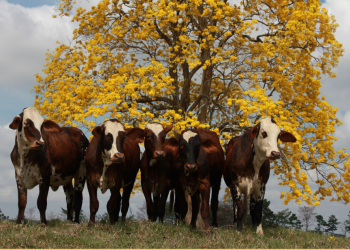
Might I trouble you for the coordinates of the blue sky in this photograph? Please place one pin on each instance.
(27, 31)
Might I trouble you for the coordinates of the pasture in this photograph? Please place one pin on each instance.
(144, 234)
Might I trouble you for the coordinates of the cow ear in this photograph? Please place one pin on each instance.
(171, 144)
(136, 134)
(209, 146)
(287, 137)
(254, 131)
(169, 128)
(15, 123)
(97, 131)
(51, 127)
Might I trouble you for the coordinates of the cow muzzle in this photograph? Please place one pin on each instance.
(158, 154)
(190, 168)
(274, 155)
(37, 145)
(118, 158)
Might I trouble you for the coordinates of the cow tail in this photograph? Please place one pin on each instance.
(245, 205)
(171, 203)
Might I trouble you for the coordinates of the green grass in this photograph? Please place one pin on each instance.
(144, 234)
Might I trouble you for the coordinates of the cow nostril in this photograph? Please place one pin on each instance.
(39, 143)
(191, 166)
(275, 154)
(120, 156)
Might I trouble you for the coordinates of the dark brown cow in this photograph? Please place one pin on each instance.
(247, 168)
(203, 162)
(47, 155)
(112, 162)
(160, 168)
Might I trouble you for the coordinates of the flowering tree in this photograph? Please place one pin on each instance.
(206, 63)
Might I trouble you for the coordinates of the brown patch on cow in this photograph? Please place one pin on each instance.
(51, 127)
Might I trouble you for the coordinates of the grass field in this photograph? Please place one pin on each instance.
(144, 234)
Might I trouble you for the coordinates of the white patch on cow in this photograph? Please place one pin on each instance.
(34, 115)
(259, 230)
(58, 179)
(264, 146)
(152, 162)
(188, 134)
(113, 128)
(28, 176)
(248, 187)
(200, 225)
(155, 127)
(103, 181)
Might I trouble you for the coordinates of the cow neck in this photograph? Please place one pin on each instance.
(100, 152)
(22, 144)
(258, 159)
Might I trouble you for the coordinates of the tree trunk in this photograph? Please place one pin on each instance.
(205, 91)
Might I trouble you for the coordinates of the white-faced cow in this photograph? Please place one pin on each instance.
(160, 171)
(112, 162)
(47, 155)
(247, 168)
(203, 161)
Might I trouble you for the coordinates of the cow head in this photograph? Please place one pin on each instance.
(155, 135)
(266, 135)
(112, 135)
(30, 125)
(190, 147)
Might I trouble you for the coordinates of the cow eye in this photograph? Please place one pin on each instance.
(264, 134)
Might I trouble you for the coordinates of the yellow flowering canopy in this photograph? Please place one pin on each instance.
(209, 63)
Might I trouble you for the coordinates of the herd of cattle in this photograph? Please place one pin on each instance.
(187, 166)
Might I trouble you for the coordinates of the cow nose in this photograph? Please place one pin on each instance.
(275, 155)
(40, 143)
(119, 156)
(190, 168)
(159, 153)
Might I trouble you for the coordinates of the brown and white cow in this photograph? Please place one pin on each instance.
(247, 168)
(47, 155)
(160, 170)
(112, 162)
(203, 162)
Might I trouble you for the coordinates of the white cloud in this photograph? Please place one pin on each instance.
(336, 90)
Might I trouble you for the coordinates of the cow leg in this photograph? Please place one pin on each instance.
(42, 199)
(180, 207)
(215, 203)
(113, 205)
(195, 209)
(204, 189)
(94, 204)
(162, 203)
(126, 199)
(147, 194)
(252, 209)
(233, 208)
(22, 202)
(68, 191)
(258, 211)
(239, 208)
(155, 206)
(78, 193)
